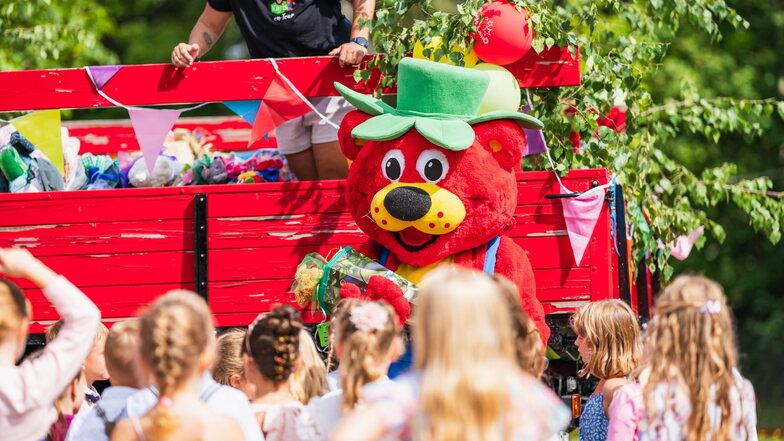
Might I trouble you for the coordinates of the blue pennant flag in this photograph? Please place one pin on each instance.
(246, 109)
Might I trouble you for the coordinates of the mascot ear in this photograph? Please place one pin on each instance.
(349, 144)
(504, 139)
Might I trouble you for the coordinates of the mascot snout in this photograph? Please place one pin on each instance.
(428, 208)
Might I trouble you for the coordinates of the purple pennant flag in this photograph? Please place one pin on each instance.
(151, 127)
(102, 74)
(534, 139)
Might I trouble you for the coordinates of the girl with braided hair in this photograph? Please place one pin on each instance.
(271, 354)
(366, 338)
(177, 345)
(690, 388)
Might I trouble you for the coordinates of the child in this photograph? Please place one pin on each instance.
(467, 384)
(122, 348)
(66, 405)
(690, 387)
(608, 340)
(271, 352)
(309, 379)
(366, 336)
(177, 345)
(27, 391)
(229, 368)
(94, 365)
(528, 344)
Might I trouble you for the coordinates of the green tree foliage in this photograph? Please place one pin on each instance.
(622, 45)
(41, 34)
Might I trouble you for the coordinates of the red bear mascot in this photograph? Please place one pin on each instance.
(432, 182)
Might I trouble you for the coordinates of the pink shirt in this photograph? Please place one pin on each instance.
(28, 391)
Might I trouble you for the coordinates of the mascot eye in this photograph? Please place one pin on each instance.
(432, 166)
(393, 165)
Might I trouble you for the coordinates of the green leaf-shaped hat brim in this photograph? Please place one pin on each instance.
(450, 134)
(383, 127)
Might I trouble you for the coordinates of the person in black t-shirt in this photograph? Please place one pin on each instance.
(292, 28)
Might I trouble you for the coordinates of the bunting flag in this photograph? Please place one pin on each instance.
(151, 127)
(534, 139)
(681, 247)
(246, 109)
(101, 74)
(280, 104)
(581, 213)
(42, 129)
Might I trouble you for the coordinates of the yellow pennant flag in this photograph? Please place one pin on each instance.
(43, 130)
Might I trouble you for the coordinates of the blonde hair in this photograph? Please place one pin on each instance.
(122, 345)
(174, 334)
(228, 352)
(100, 335)
(612, 333)
(465, 347)
(14, 308)
(363, 350)
(528, 342)
(691, 341)
(310, 377)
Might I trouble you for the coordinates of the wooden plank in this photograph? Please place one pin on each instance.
(114, 301)
(122, 269)
(100, 238)
(108, 136)
(279, 203)
(210, 81)
(553, 67)
(125, 206)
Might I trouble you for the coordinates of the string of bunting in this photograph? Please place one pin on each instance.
(581, 212)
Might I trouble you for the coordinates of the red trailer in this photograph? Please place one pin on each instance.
(238, 245)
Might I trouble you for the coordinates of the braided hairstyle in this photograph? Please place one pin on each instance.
(173, 335)
(273, 343)
(363, 349)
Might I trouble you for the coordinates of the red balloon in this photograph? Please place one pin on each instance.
(503, 34)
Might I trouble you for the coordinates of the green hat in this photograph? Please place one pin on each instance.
(438, 100)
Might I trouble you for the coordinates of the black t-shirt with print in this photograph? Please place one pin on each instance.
(288, 28)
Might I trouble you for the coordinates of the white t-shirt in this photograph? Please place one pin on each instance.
(320, 417)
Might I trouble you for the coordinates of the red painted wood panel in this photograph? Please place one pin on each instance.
(101, 237)
(210, 81)
(124, 206)
(108, 136)
(122, 269)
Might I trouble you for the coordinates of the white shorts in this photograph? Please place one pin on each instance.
(299, 134)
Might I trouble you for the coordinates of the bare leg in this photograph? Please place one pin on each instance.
(303, 165)
(329, 161)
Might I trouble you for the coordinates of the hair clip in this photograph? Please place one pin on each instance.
(165, 401)
(711, 307)
(369, 317)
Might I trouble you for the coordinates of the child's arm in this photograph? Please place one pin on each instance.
(625, 413)
(38, 382)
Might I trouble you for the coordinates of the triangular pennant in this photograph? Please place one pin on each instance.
(246, 109)
(534, 142)
(43, 130)
(681, 247)
(534, 139)
(280, 104)
(581, 214)
(102, 74)
(151, 127)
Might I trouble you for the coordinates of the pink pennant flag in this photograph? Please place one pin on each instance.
(102, 74)
(151, 127)
(681, 247)
(581, 214)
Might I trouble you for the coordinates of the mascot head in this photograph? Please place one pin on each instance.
(431, 178)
